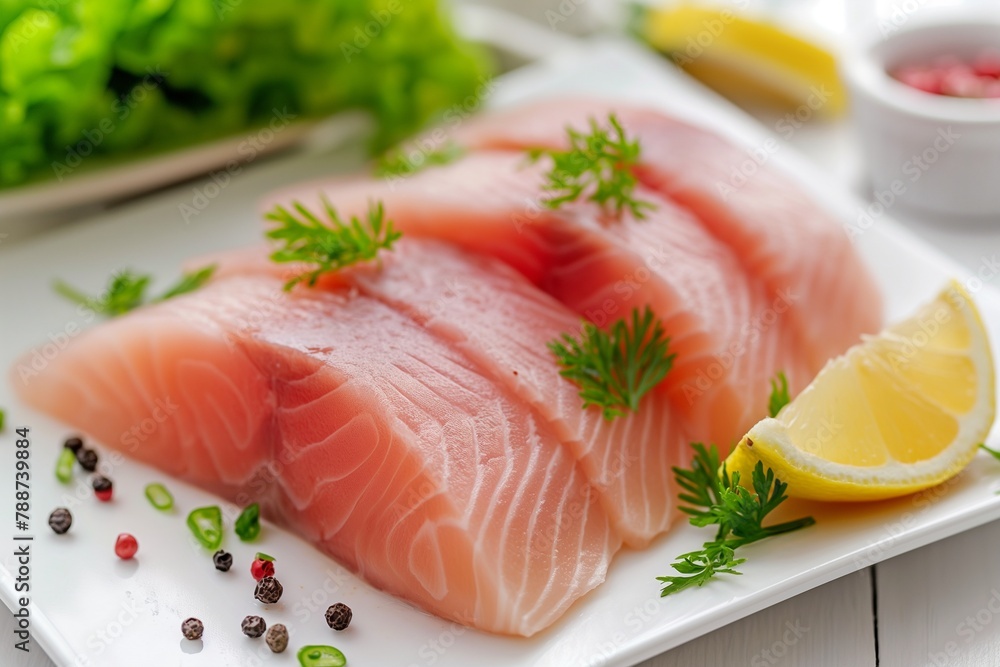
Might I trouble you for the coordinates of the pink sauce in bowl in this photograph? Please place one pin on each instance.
(952, 76)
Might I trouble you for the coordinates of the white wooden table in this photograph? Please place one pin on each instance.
(939, 605)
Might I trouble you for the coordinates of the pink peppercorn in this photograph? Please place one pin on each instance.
(126, 546)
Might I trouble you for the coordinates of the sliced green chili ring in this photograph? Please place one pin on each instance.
(263, 556)
(159, 497)
(321, 656)
(64, 465)
(248, 523)
(206, 524)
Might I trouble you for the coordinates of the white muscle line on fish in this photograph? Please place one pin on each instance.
(559, 527)
(755, 328)
(526, 554)
(494, 500)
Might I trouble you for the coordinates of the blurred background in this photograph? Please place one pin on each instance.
(105, 100)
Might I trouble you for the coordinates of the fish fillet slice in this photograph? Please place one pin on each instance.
(490, 203)
(374, 438)
(504, 324)
(487, 203)
(780, 234)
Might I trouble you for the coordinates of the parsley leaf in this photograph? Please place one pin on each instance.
(717, 498)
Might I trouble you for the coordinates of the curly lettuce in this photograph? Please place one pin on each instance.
(84, 82)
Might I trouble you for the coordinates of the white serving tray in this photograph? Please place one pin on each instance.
(133, 177)
(90, 609)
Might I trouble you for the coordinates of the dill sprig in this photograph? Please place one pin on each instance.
(599, 164)
(779, 395)
(328, 245)
(127, 290)
(715, 497)
(616, 368)
(189, 282)
(399, 162)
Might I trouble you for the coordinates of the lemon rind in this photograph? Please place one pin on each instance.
(810, 476)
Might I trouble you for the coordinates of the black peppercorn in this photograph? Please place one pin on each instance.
(192, 629)
(268, 590)
(277, 638)
(223, 560)
(339, 616)
(87, 459)
(253, 626)
(73, 444)
(60, 520)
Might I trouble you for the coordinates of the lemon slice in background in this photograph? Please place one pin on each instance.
(743, 58)
(902, 411)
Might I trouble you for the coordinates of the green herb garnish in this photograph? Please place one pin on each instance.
(263, 556)
(206, 526)
(3, 418)
(248, 523)
(189, 282)
(992, 452)
(316, 655)
(598, 164)
(716, 498)
(698, 567)
(65, 464)
(779, 395)
(159, 497)
(126, 291)
(400, 162)
(616, 368)
(329, 246)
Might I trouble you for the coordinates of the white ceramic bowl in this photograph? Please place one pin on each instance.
(931, 152)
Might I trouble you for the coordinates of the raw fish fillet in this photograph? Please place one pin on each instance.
(498, 319)
(725, 325)
(407, 416)
(781, 235)
(372, 436)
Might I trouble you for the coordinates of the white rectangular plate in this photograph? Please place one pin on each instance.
(89, 608)
(129, 178)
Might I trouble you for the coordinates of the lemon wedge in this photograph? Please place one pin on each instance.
(744, 58)
(901, 411)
